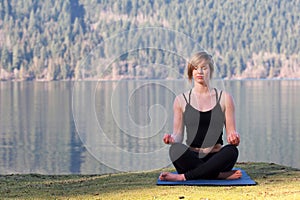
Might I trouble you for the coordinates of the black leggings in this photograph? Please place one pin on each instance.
(194, 166)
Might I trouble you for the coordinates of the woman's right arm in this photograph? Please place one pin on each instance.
(177, 136)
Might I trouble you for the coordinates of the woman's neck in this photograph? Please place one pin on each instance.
(201, 89)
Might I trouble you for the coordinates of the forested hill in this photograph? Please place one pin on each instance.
(53, 39)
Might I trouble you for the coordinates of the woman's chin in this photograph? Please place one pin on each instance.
(200, 80)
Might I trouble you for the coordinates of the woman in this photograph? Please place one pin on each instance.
(203, 111)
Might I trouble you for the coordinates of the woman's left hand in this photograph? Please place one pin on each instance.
(233, 138)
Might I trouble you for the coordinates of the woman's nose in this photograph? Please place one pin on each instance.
(200, 70)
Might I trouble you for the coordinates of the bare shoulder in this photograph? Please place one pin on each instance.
(181, 100)
(226, 99)
(184, 97)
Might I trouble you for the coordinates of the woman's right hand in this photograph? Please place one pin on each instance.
(168, 139)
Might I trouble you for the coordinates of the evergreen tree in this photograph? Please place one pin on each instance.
(32, 22)
(5, 59)
(16, 57)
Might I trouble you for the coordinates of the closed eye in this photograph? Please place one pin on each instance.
(202, 68)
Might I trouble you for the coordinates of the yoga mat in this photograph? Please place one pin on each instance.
(243, 181)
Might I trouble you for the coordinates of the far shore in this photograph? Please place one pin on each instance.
(146, 79)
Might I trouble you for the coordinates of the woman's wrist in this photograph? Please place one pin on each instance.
(173, 138)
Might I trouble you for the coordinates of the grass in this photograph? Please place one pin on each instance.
(274, 182)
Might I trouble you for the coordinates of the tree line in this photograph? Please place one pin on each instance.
(68, 39)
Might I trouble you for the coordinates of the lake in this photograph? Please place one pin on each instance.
(91, 127)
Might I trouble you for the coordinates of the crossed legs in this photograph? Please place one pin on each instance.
(190, 165)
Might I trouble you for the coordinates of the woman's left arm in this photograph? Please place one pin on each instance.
(232, 135)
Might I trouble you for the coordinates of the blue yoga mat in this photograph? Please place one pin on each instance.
(245, 180)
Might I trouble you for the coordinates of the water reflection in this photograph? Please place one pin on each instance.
(124, 129)
(267, 117)
(38, 133)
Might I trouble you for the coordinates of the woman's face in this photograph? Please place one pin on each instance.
(201, 73)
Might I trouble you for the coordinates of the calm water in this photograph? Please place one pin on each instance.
(103, 127)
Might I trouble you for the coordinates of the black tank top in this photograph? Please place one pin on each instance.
(204, 129)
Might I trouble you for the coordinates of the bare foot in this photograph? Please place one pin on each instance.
(230, 175)
(168, 176)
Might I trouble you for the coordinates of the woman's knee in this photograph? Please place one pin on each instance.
(232, 149)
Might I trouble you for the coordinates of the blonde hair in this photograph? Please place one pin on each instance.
(196, 59)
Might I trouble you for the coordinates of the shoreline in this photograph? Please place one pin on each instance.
(128, 79)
